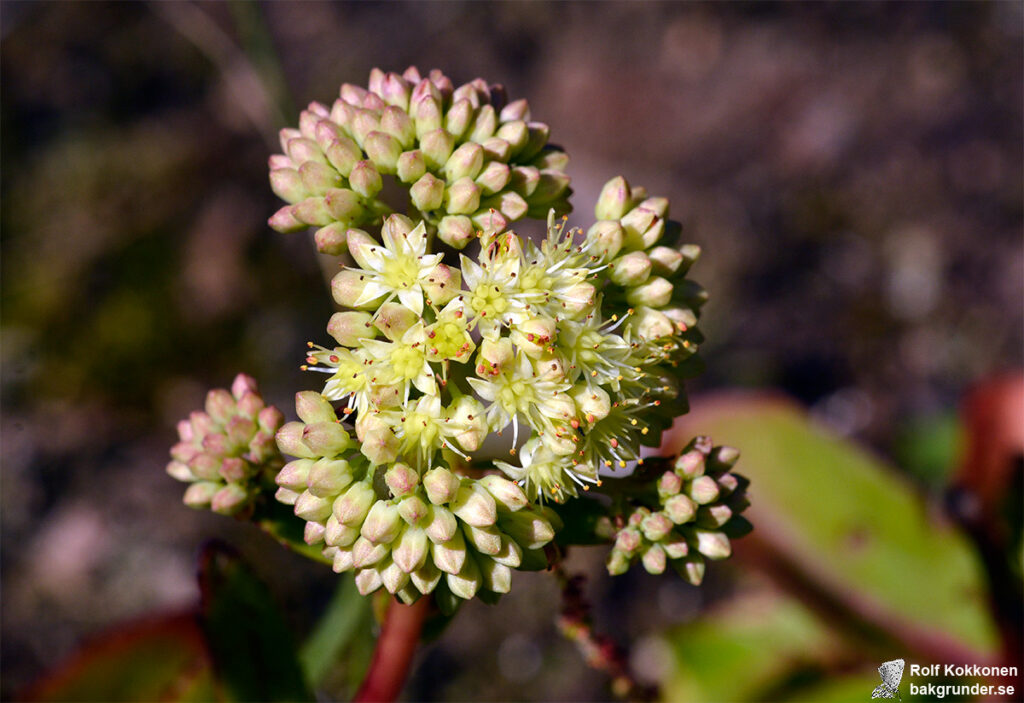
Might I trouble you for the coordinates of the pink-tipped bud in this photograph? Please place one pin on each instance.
(437, 148)
(351, 508)
(413, 509)
(456, 231)
(459, 116)
(614, 201)
(703, 489)
(330, 239)
(449, 556)
(655, 293)
(312, 508)
(393, 319)
(329, 477)
(474, 506)
(383, 523)
(630, 269)
(365, 178)
(462, 197)
(295, 474)
(494, 177)
(349, 328)
(411, 166)
(427, 193)
(412, 549)
(607, 238)
(656, 526)
(465, 162)
(654, 560)
(507, 494)
(402, 480)
(347, 288)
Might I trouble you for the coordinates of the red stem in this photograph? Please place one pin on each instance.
(395, 648)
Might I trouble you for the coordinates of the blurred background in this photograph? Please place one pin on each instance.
(852, 171)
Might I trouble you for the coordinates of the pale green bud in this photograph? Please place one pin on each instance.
(654, 560)
(713, 516)
(313, 211)
(312, 508)
(398, 124)
(723, 458)
(411, 166)
(289, 441)
(343, 205)
(413, 509)
(330, 239)
(337, 534)
(427, 193)
(379, 443)
(524, 180)
(628, 540)
(474, 507)
(527, 528)
(665, 260)
(551, 186)
(496, 577)
(440, 525)
(468, 412)
(392, 577)
(401, 479)
(485, 123)
(458, 118)
(352, 507)
(286, 496)
(682, 318)
(592, 403)
(285, 221)
(456, 231)
(669, 484)
(393, 319)
(494, 177)
(426, 577)
(410, 552)
(384, 150)
(451, 555)
(347, 286)
(675, 546)
(713, 545)
(516, 110)
(617, 563)
(427, 114)
(362, 124)
(579, 298)
(494, 355)
(327, 439)
(534, 336)
(510, 204)
(313, 533)
(651, 324)
(655, 293)
(467, 582)
(368, 581)
(349, 328)
(614, 200)
(318, 178)
(630, 269)
(301, 150)
(437, 148)
(287, 185)
(680, 509)
(486, 540)
(516, 133)
(441, 485)
(312, 407)
(510, 554)
(382, 524)
(690, 464)
(703, 489)
(442, 284)
(607, 236)
(179, 471)
(342, 561)
(329, 477)
(343, 154)
(365, 179)
(465, 162)
(200, 493)
(656, 526)
(462, 197)
(727, 483)
(535, 141)
(220, 405)
(507, 494)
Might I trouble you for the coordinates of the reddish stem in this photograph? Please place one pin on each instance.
(395, 648)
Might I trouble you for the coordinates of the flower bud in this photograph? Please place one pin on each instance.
(413, 509)
(401, 479)
(527, 528)
(630, 269)
(713, 545)
(285, 496)
(494, 177)
(442, 284)
(347, 287)
(524, 180)
(703, 489)
(441, 485)
(680, 509)
(310, 507)
(368, 581)
(427, 114)
(654, 293)
(285, 221)
(462, 197)
(690, 464)
(427, 193)
(384, 150)
(485, 123)
(330, 239)
(393, 578)
(465, 162)
(578, 299)
(426, 577)
(474, 507)
(313, 533)
(691, 568)
(365, 179)
(496, 577)
(656, 526)
(455, 231)
(289, 441)
(295, 474)
(551, 186)
(329, 477)
(220, 405)
(628, 540)
(301, 150)
(437, 148)
(337, 534)
(469, 414)
(495, 355)
(592, 403)
(343, 154)
(607, 238)
(486, 540)
(449, 556)
(394, 319)
(287, 185)
(654, 560)
(328, 439)
(713, 516)
(496, 149)
(467, 582)
(665, 260)
(510, 554)
(507, 494)
(318, 178)
(397, 123)
(349, 328)
(410, 552)
(614, 200)
(367, 553)
(722, 458)
(617, 563)
(352, 507)
(411, 166)
(458, 118)
(313, 211)
(515, 132)
(535, 141)
(510, 204)
(383, 523)
(651, 324)
(311, 407)
(440, 525)
(727, 484)
(200, 493)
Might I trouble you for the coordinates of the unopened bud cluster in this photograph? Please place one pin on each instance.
(227, 452)
(469, 158)
(409, 531)
(699, 505)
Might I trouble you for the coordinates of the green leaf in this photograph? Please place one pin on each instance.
(346, 616)
(278, 521)
(580, 516)
(248, 638)
(161, 659)
(847, 521)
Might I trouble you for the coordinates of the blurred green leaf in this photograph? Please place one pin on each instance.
(846, 520)
(248, 638)
(928, 447)
(162, 659)
(346, 616)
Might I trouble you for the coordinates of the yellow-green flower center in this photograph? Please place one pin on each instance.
(400, 271)
(488, 301)
(407, 362)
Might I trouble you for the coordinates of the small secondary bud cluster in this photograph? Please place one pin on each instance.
(700, 502)
(469, 158)
(228, 454)
(411, 532)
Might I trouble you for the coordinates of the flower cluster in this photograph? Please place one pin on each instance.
(699, 505)
(228, 453)
(469, 158)
(410, 532)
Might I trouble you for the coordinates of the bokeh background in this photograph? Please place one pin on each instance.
(853, 172)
